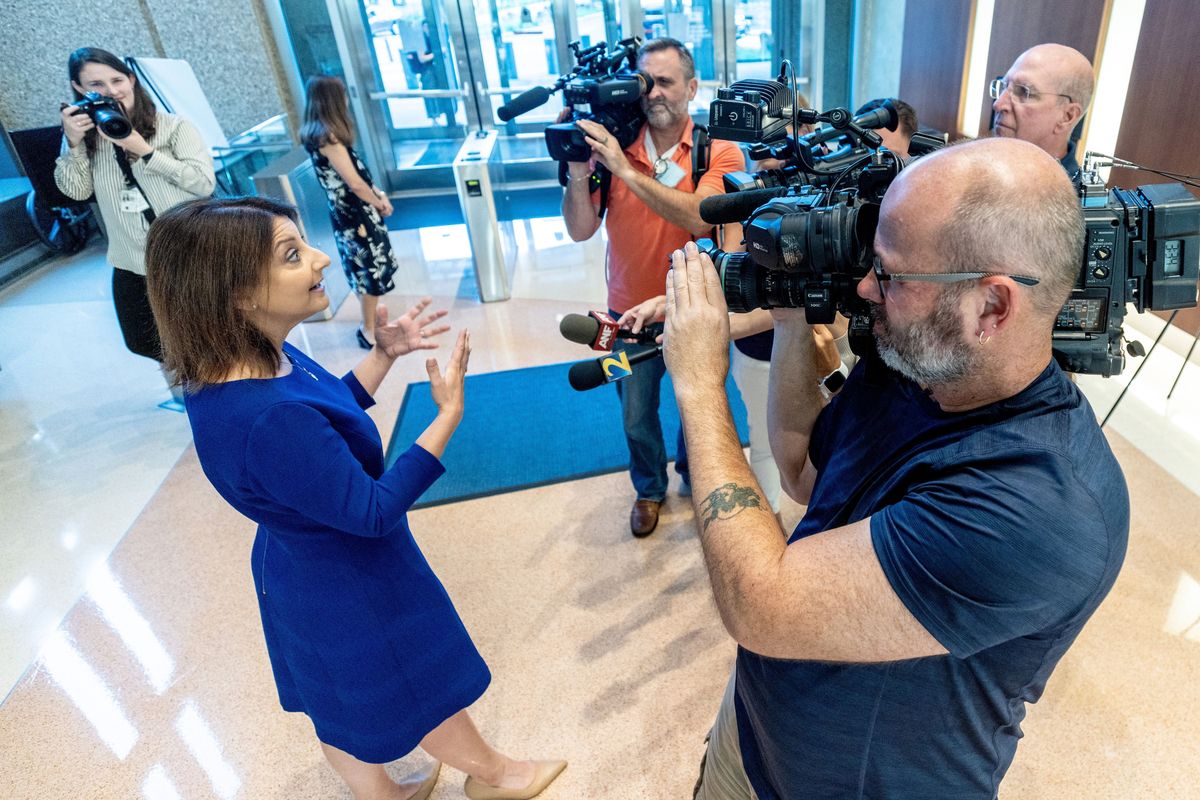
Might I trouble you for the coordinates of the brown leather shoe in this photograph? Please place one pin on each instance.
(643, 519)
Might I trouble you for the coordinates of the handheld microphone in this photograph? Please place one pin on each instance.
(525, 101)
(721, 209)
(587, 375)
(599, 331)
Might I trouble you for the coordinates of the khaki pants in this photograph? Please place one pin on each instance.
(722, 776)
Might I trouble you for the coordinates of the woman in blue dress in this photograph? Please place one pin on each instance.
(361, 635)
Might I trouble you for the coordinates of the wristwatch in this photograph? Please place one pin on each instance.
(834, 381)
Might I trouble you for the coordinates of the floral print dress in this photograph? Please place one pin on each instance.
(362, 237)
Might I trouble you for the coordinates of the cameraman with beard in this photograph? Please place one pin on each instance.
(653, 209)
(965, 513)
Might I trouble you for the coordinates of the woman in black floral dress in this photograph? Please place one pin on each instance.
(356, 205)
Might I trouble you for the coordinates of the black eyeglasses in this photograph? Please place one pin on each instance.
(1022, 93)
(883, 276)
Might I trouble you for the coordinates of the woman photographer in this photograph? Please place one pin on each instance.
(361, 635)
(162, 162)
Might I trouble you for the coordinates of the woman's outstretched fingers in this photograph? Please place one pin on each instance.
(419, 306)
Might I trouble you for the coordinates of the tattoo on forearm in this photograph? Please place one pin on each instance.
(727, 501)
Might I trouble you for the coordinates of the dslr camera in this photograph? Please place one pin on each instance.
(106, 113)
(605, 86)
(809, 232)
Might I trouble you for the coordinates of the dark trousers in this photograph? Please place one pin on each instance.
(134, 315)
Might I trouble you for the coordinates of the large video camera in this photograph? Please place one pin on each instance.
(809, 236)
(1142, 248)
(598, 88)
(808, 227)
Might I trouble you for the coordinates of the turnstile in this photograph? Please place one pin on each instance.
(476, 172)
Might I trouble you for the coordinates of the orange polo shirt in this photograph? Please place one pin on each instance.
(640, 242)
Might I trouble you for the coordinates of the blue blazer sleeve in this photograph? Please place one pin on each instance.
(361, 396)
(295, 457)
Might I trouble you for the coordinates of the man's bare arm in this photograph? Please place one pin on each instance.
(577, 209)
(793, 401)
(825, 597)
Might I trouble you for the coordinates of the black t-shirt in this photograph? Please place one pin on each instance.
(1001, 529)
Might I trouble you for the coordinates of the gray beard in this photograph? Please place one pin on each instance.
(660, 117)
(930, 352)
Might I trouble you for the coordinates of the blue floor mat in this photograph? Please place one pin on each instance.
(528, 427)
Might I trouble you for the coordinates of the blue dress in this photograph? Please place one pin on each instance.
(361, 635)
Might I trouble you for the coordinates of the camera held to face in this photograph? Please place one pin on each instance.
(106, 113)
(600, 89)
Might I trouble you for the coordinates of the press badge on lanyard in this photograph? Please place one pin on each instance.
(132, 201)
(666, 171)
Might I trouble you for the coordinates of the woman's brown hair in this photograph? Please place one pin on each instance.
(144, 111)
(204, 260)
(326, 113)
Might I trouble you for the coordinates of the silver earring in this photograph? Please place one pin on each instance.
(984, 338)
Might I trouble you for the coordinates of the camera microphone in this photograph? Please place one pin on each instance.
(598, 331)
(883, 117)
(587, 375)
(525, 101)
(721, 209)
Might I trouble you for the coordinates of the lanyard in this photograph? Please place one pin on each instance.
(659, 162)
(131, 182)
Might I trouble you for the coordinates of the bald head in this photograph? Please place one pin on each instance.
(1056, 87)
(1067, 69)
(991, 205)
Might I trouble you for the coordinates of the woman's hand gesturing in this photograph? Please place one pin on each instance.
(447, 388)
(407, 333)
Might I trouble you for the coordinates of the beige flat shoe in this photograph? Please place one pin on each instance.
(544, 773)
(426, 787)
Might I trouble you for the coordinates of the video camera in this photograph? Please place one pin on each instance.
(809, 231)
(600, 89)
(1142, 248)
(808, 226)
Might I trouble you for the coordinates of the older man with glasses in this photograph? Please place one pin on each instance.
(1041, 99)
(965, 513)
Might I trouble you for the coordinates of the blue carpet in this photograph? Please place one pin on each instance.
(528, 427)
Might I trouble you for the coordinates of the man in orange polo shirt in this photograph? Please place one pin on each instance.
(653, 209)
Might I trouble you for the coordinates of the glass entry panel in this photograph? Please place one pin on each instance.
(422, 74)
(412, 54)
(694, 23)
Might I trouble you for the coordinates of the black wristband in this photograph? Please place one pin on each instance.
(146, 157)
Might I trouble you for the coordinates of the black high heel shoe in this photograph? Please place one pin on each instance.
(363, 342)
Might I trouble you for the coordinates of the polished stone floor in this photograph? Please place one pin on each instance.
(130, 649)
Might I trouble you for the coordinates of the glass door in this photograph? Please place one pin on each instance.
(422, 74)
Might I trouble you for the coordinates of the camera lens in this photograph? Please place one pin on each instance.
(114, 125)
(748, 286)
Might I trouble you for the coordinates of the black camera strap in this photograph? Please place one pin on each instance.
(700, 153)
(131, 182)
